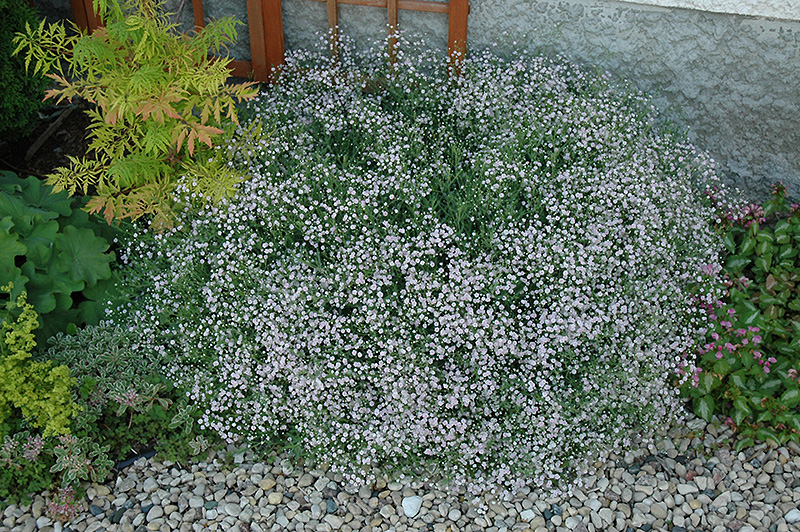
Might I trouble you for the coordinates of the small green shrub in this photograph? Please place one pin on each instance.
(24, 465)
(22, 92)
(127, 404)
(38, 392)
(159, 96)
(749, 365)
(51, 249)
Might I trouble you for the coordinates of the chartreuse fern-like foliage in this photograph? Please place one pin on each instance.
(159, 98)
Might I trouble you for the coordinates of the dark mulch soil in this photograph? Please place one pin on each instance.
(68, 138)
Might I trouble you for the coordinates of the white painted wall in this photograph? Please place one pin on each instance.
(780, 9)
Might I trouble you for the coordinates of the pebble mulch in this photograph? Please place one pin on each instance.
(690, 480)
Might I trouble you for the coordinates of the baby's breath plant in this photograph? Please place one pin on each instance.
(480, 279)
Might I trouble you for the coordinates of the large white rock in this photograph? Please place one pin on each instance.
(411, 505)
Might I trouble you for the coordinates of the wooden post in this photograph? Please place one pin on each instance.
(199, 15)
(258, 44)
(265, 21)
(333, 27)
(457, 29)
(273, 32)
(79, 13)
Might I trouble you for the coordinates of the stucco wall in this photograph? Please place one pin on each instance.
(733, 80)
(780, 9)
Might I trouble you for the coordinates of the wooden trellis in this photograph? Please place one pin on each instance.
(456, 10)
(265, 24)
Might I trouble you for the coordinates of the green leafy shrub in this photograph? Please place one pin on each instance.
(159, 96)
(749, 365)
(51, 249)
(22, 91)
(127, 404)
(24, 465)
(38, 392)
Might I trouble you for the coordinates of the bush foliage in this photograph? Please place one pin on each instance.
(483, 278)
(159, 96)
(749, 365)
(52, 250)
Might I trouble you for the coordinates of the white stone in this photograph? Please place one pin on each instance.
(411, 505)
(594, 504)
(335, 521)
(685, 489)
(527, 515)
(792, 516)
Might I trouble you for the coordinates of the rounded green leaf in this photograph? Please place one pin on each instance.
(83, 255)
(704, 407)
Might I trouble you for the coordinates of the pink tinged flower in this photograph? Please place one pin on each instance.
(756, 339)
(726, 324)
(753, 329)
(713, 317)
(731, 312)
(757, 354)
(32, 448)
(745, 341)
(730, 347)
(772, 360)
(766, 368)
(719, 355)
(741, 332)
(715, 336)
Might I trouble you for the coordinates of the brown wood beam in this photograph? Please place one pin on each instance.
(272, 22)
(199, 14)
(458, 11)
(258, 43)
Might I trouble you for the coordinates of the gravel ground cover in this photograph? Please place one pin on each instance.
(690, 480)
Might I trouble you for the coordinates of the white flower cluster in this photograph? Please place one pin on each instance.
(481, 278)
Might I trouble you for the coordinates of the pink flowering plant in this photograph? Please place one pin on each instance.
(480, 279)
(748, 364)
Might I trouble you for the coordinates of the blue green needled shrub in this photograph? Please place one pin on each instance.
(481, 279)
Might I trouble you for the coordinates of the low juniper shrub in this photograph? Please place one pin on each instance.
(481, 280)
(748, 367)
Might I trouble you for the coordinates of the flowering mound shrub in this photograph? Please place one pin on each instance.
(480, 279)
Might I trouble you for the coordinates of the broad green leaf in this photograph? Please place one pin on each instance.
(794, 422)
(39, 239)
(744, 443)
(736, 263)
(770, 386)
(740, 403)
(730, 243)
(790, 397)
(765, 235)
(763, 247)
(738, 379)
(83, 255)
(766, 434)
(748, 246)
(41, 289)
(41, 197)
(764, 262)
(704, 407)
